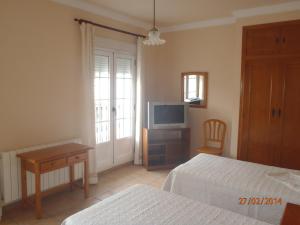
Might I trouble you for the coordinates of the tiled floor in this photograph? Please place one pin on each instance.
(61, 205)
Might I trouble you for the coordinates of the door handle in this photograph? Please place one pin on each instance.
(113, 109)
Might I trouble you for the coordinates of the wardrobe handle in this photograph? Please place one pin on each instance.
(277, 40)
(279, 112)
(283, 40)
(273, 112)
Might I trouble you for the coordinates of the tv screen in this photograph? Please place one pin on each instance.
(168, 114)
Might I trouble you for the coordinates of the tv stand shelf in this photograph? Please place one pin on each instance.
(165, 148)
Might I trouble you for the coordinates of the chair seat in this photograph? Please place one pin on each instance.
(210, 150)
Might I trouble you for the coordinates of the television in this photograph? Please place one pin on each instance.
(164, 115)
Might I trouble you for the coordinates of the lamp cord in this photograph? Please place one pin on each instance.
(154, 14)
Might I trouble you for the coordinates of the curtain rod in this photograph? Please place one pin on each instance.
(109, 28)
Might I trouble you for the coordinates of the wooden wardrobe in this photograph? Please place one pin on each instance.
(269, 131)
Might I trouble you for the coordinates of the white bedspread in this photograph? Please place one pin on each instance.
(144, 205)
(221, 182)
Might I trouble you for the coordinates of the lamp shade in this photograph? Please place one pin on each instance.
(154, 38)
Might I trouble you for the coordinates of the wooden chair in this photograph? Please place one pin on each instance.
(214, 136)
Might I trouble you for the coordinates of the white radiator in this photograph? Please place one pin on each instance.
(10, 176)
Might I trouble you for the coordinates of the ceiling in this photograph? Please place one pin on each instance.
(176, 12)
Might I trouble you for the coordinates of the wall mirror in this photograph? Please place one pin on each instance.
(194, 88)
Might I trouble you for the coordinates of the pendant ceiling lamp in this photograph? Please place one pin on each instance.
(154, 34)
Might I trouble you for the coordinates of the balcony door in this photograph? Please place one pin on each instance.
(114, 108)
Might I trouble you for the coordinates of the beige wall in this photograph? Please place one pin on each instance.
(40, 71)
(208, 50)
(216, 50)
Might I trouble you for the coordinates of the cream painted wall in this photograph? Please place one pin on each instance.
(208, 50)
(216, 50)
(40, 71)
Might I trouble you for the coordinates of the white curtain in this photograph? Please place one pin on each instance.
(140, 104)
(88, 120)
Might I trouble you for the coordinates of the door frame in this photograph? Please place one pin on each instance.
(240, 155)
(131, 54)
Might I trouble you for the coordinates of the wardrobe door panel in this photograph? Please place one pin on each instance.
(290, 148)
(290, 36)
(258, 112)
(277, 90)
(262, 41)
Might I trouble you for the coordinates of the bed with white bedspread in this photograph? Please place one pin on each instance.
(222, 182)
(144, 205)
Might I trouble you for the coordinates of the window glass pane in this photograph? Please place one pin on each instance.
(101, 66)
(124, 98)
(102, 98)
(123, 68)
(102, 88)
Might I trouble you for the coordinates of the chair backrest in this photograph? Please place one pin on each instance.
(214, 133)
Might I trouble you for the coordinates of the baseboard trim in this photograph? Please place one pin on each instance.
(115, 168)
(53, 190)
(93, 178)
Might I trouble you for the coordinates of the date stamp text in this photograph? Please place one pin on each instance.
(260, 201)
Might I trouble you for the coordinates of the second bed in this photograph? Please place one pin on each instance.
(144, 205)
(246, 188)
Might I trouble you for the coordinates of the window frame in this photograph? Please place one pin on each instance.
(205, 91)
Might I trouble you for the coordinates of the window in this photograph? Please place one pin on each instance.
(113, 95)
(194, 88)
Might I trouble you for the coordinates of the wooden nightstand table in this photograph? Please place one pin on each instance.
(49, 159)
(291, 215)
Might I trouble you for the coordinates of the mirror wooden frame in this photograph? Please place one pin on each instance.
(205, 75)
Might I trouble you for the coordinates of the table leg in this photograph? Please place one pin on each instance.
(71, 170)
(86, 178)
(38, 194)
(24, 183)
